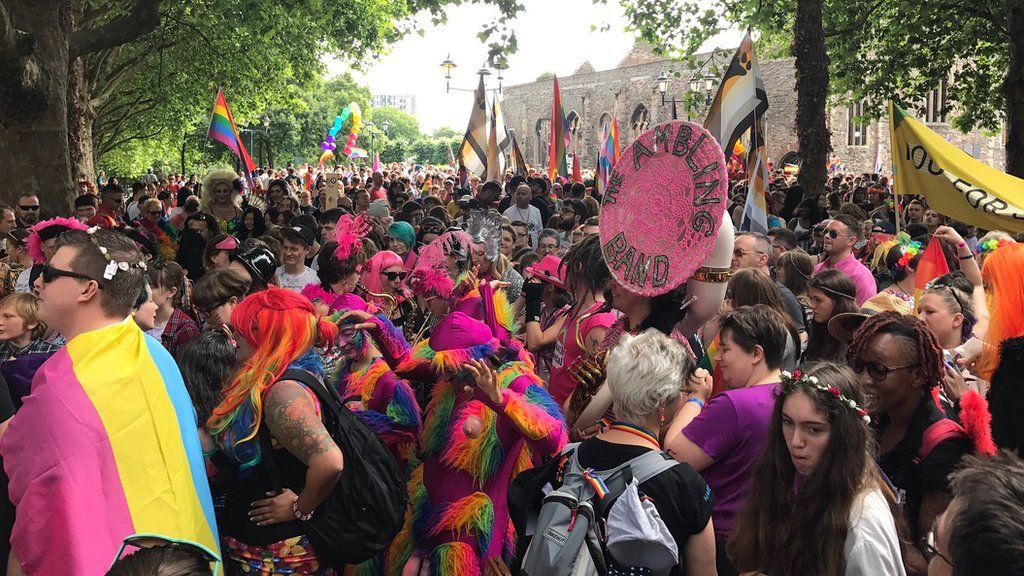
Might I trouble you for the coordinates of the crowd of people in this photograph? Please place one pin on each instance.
(179, 360)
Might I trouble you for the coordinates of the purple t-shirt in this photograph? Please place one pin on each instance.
(732, 430)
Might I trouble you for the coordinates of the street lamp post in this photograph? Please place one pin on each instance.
(448, 65)
(663, 88)
(265, 131)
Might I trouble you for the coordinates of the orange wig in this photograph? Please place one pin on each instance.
(1003, 276)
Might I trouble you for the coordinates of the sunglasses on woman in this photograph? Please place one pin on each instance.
(392, 276)
(877, 372)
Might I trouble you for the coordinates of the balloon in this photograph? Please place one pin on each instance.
(332, 145)
(325, 146)
(330, 139)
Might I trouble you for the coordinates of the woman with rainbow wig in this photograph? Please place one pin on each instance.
(263, 533)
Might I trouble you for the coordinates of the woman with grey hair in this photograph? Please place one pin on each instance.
(648, 379)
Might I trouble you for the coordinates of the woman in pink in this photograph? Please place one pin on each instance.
(585, 325)
(383, 280)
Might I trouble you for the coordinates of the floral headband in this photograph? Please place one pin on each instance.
(113, 266)
(992, 243)
(908, 250)
(798, 377)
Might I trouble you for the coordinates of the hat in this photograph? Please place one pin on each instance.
(883, 227)
(258, 260)
(549, 270)
(843, 326)
(47, 230)
(229, 243)
(307, 233)
(379, 208)
(404, 232)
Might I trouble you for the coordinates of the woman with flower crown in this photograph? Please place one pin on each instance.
(817, 503)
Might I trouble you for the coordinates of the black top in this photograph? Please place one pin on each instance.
(680, 494)
(794, 308)
(932, 474)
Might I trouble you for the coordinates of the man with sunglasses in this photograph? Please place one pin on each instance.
(27, 210)
(107, 444)
(841, 234)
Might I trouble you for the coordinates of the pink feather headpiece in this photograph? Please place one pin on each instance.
(35, 241)
(431, 275)
(350, 233)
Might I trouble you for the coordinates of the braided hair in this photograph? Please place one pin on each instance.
(929, 352)
(584, 264)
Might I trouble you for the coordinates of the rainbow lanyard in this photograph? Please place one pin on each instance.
(636, 431)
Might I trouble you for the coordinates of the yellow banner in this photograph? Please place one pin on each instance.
(953, 183)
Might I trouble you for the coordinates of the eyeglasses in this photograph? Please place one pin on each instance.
(877, 372)
(833, 233)
(28, 208)
(930, 551)
(392, 276)
(50, 274)
(141, 541)
(739, 252)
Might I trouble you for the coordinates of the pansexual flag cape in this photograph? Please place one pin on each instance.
(105, 446)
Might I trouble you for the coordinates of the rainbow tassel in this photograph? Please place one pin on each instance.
(474, 512)
(600, 489)
(454, 559)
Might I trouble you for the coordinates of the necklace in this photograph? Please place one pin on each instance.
(638, 431)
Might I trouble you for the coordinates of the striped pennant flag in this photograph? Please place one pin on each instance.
(741, 97)
(495, 155)
(516, 160)
(755, 211)
(473, 151)
(223, 130)
(559, 137)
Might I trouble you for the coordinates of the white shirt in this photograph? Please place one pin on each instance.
(22, 285)
(872, 547)
(296, 282)
(530, 215)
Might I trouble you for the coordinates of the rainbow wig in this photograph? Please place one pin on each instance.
(46, 230)
(282, 328)
(1003, 277)
(380, 262)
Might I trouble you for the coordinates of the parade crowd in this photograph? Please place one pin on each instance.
(418, 373)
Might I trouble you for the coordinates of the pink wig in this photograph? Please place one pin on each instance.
(371, 271)
(35, 241)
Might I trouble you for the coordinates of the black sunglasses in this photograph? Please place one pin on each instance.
(392, 276)
(877, 372)
(28, 208)
(50, 274)
(833, 234)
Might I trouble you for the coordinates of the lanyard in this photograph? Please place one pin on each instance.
(637, 431)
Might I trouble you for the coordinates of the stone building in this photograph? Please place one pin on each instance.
(630, 93)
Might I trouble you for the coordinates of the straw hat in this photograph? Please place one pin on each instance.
(843, 326)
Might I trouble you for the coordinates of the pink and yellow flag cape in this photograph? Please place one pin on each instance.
(105, 446)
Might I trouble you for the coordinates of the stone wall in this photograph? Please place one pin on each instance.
(630, 94)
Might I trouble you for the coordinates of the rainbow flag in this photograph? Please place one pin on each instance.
(608, 156)
(559, 137)
(358, 153)
(104, 447)
(709, 362)
(223, 130)
(930, 266)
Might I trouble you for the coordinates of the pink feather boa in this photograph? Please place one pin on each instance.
(350, 233)
(35, 245)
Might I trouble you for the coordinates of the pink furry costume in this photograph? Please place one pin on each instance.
(471, 449)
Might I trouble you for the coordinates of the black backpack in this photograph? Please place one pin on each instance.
(366, 509)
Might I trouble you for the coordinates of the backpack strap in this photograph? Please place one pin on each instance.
(326, 404)
(649, 465)
(936, 434)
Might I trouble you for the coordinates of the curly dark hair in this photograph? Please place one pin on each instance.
(584, 265)
(928, 350)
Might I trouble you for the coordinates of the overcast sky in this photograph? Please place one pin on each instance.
(554, 36)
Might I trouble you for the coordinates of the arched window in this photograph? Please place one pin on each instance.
(639, 121)
(604, 125)
(543, 130)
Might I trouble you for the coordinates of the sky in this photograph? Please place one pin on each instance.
(554, 36)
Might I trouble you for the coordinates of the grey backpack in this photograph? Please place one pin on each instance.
(569, 532)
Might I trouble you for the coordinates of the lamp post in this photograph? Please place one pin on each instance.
(252, 131)
(384, 126)
(663, 88)
(448, 65)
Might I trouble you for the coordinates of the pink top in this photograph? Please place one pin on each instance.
(378, 193)
(859, 273)
(567, 351)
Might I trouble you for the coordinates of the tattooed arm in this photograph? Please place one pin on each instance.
(291, 417)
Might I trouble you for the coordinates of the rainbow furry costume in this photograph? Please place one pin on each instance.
(458, 495)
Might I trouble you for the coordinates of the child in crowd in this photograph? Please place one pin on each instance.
(293, 274)
(21, 331)
(172, 326)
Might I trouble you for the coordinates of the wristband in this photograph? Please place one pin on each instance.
(696, 401)
(962, 245)
(298, 513)
(967, 257)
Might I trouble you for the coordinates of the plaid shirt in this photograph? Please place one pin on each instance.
(179, 331)
(9, 352)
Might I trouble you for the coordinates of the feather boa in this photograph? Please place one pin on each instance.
(977, 422)
(165, 236)
(350, 233)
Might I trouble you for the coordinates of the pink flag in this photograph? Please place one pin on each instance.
(376, 162)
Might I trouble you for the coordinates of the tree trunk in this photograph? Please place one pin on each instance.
(80, 120)
(33, 103)
(1013, 91)
(811, 93)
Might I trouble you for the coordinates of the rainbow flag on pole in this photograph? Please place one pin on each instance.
(559, 137)
(223, 130)
(104, 447)
(608, 156)
(930, 266)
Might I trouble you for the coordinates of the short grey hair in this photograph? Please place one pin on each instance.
(644, 371)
